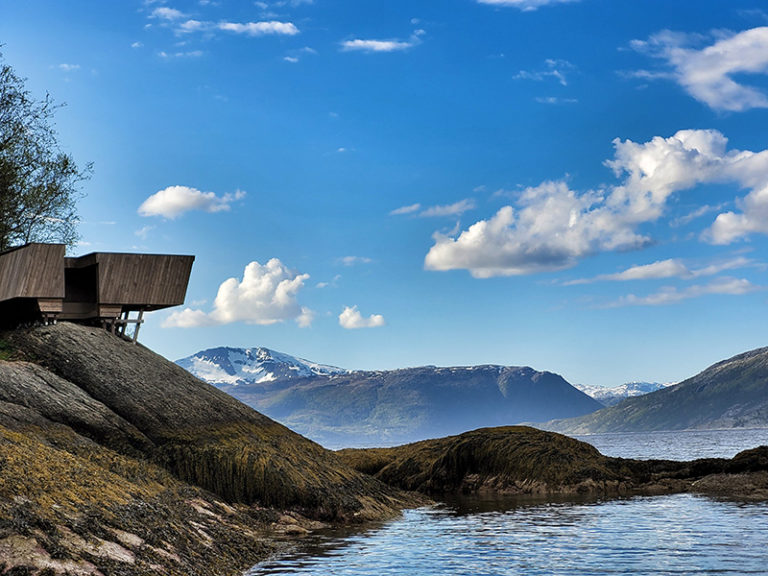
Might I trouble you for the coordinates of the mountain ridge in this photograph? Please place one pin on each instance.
(226, 365)
(731, 393)
(370, 408)
(610, 396)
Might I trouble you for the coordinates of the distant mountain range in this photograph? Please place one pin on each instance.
(341, 408)
(612, 396)
(730, 394)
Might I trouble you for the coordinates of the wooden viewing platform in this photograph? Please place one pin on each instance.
(39, 283)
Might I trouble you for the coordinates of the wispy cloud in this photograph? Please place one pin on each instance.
(182, 24)
(455, 209)
(671, 268)
(553, 69)
(524, 5)
(173, 201)
(363, 45)
(259, 28)
(354, 260)
(352, 319)
(168, 14)
(376, 45)
(267, 294)
(555, 100)
(144, 231)
(69, 67)
(180, 54)
(552, 227)
(713, 74)
(410, 209)
(695, 214)
(672, 295)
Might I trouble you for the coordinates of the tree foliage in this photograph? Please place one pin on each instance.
(39, 184)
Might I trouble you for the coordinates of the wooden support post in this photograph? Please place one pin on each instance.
(139, 321)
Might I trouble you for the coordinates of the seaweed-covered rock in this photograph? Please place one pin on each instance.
(115, 460)
(526, 461)
(136, 402)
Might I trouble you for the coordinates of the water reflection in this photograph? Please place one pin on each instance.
(679, 534)
(678, 445)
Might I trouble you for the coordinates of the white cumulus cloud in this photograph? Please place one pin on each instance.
(351, 319)
(173, 201)
(361, 45)
(265, 295)
(165, 13)
(260, 28)
(731, 226)
(552, 227)
(714, 74)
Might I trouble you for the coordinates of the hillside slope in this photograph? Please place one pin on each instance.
(111, 455)
(360, 409)
(730, 394)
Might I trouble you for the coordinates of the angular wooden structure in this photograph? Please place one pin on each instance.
(37, 282)
(31, 282)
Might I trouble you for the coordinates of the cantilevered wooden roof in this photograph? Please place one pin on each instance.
(38, 278)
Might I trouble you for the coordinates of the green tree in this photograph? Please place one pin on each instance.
(39, 184)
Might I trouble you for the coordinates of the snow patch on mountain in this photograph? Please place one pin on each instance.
(244, 366)
(614, 395)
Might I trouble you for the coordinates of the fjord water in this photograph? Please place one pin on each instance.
(663, 535)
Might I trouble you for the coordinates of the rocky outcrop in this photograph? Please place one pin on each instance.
(519, 460)
(113, 457)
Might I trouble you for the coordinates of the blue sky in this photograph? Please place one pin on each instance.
(578, 186)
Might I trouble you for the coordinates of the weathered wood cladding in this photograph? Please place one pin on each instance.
(32, 271)
(138, 281)
(38, 281)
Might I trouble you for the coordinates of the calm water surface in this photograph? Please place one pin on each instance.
(664, 535)
(683, 445)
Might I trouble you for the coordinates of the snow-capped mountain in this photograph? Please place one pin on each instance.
(614, 395)
(240, 366)
(341, 408)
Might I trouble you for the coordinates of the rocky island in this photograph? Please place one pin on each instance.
(114, 460)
